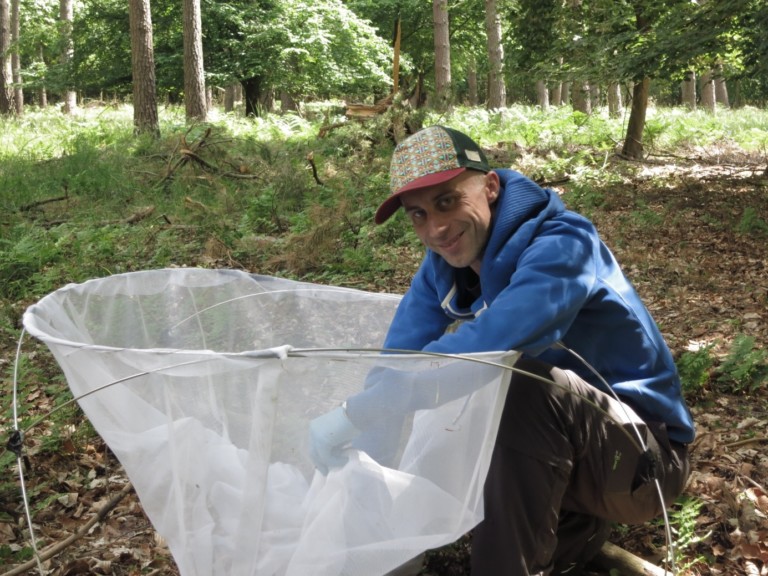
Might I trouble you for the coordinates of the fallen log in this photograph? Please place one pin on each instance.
(612, 557)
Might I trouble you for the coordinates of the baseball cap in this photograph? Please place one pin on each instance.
(429, 157)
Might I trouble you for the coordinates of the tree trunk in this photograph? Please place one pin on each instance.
(707, 92)
(267, 100)
(688, 90)
(396, 58)
(442, 55)
(580, 97)
(6, 70)
(497, 91)
(252, 95)
(194, 73)
(229, 98)
(42, 95)
(542, 95)
(66, 16)
(287, 102)
(472, 82)
(418, 98)
(633, 143)
(556, 94)
(721, 90)
(145, 118)
(18, 91)
(594, 96)
(615, 105)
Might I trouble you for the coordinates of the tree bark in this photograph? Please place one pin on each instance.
(556, 94)
(287, 102)
(18, 91)
(633, 143)
(707, 92)
(145, 118)
(417, 99)
(396, 58)
(688, 90)
(442, 55)
(472, 82)
(6, 70)
(580, 97)
(615, 105)
(229, 98)
(195, 105)
(66, 16)
(42, 94)
(497, 91)
(542, 95)
(721, 90)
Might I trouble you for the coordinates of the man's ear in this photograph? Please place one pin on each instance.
(492, 186)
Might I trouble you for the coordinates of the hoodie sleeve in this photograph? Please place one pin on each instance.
(420, 318)
(537, 301)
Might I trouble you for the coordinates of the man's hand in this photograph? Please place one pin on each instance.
(329, 434)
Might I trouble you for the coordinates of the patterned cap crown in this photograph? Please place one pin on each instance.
(431, 156)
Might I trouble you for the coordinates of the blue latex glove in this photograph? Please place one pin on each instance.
(329, 435)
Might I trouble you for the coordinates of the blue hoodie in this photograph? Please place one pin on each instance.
(547, 278)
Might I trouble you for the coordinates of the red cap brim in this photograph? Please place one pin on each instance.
(391, 204)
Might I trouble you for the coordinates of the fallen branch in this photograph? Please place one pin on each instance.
(140, 215)
(311, 160)
(612, 557)
(32, 205)
(745, 441)
(55, 549)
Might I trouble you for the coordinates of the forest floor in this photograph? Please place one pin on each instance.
(690, 232)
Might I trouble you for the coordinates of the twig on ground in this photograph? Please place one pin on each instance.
(55, 549)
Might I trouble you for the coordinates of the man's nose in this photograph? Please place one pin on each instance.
(437, 226)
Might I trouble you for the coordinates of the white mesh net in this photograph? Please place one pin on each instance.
(204, 383)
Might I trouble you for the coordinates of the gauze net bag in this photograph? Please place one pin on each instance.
(204, 384)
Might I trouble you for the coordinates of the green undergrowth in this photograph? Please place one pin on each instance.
(82, 197)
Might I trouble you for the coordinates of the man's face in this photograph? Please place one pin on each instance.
(453, 219)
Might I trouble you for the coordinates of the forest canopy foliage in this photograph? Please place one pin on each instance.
(344, 49)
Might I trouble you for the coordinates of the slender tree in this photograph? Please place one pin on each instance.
(497, 91)
(6, 71)
(708, 91)
(66, 16)
(633, 141)
(18, 92)
(442, 54)
(194, 72)
(42, 93)
(145, 117)
(688, 90)
(615, 101)
(580, 96)
(542, 94)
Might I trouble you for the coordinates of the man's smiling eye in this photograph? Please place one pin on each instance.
(445, 202)
(417, 215)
